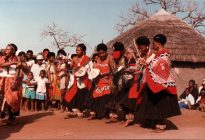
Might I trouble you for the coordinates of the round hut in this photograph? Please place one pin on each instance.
(185, 44)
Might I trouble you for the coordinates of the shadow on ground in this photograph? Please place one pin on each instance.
(170, 125)
(6, 130)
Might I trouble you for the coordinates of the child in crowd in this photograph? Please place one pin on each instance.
(30, 91)
(23, 96)
(41, 91)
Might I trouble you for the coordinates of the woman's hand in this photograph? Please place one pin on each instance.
(142, 61)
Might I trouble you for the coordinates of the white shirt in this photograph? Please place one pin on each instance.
(36, 70)
(45, 62)
(200, 88)
(30, 62)
(188, 98)
(41, 84)
(89, 65)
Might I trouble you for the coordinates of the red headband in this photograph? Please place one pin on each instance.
(116, 54)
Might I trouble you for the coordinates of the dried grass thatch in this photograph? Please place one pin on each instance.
(184, 43)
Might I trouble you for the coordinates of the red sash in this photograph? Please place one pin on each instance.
(133, 93)
(73, 90)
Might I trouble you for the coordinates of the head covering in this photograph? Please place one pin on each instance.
(39, 57)
(13, 46)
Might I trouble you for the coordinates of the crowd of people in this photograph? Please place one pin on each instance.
(124, 85)
(193, 96)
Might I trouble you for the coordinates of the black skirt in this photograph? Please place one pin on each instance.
(89, 99)
(99, 105)
(120, 100)
(79, 99)
(157, 106)
(128, 105)
(8, 111)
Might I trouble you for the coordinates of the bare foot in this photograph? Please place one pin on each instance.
(113, 120)
(128, 122)
(92, 116)
(160, 128)
(80, 114)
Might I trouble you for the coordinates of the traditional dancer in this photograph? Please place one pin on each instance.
(133, 76)
(159, 96)
(101, 94)
(78, 93)
(119, 82)
(11, 82)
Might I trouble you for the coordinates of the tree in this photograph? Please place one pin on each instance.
(61, 38)
(191, 11)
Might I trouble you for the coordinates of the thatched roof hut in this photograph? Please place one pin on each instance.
(184, 43)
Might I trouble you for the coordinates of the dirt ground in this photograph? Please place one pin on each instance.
(52, 125)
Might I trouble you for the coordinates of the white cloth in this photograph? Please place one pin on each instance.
(89, 66)
(35, 69)
(200, 88)
(30, 62)
(188, 98)
(41, 84)
(10, 72)
(45, 62)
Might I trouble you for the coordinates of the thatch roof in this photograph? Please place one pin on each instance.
(184, 43)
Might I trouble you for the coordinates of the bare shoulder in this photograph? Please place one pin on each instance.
(75, 59)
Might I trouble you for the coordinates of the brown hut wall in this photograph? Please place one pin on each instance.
(188, 71)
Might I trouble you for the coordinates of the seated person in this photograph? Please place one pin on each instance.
(201, 86)
(186, 101)
(192, 89)
(201, 99)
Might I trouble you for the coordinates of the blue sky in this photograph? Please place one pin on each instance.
(22, 21)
